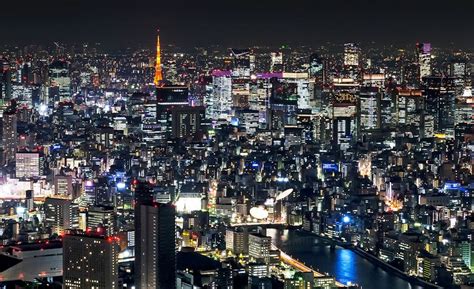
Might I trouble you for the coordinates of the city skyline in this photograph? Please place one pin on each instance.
(158, 159)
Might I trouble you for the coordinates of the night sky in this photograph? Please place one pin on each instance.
(191, 23)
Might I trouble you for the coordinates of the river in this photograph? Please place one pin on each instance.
(344, 264)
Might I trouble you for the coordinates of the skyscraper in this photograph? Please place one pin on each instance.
(10, 135)
(351, 54)
(219, 101)
(243, 62)
(464, 108)
(460, 69)
(344, 111)
(186, 121)
(369, 108)
(5, 80)
(169, 97)
(277, 62)
(352, 61)
(60, 82)
(423, 59)
(440, 97)
(259, 247)
(155, 247)
(90, 262)
(102, 219)
(237, 240)
(158, 72)
(409, 111)
(315, 66)
(61, 214)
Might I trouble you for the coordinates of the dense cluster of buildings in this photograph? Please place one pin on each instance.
(137, 169)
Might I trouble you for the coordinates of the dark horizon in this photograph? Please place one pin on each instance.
(119, 24)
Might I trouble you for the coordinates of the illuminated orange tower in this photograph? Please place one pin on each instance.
(158, 72)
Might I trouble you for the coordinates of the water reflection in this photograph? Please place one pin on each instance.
(346, 265)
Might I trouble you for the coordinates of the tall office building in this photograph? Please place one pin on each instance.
(351, 54)
(440, 97)
(172, 95)
(343, 126)
(5, 81)
(61, 214)
(10, 135)
(318, 76)
(63, 185)
(316, 64)
(460, 70)
(352, 61)
(409, 112)
(90, 262)
(243, 62)
(101, 219)
(276, 64)
(260, 91)
(259, 247)
(259, 274)
(60, 82)
(186, 121)
(344, 112)
(369, 108)
(219, 100)
(172, 71)
(241, 69)
(155, 242)
(464, 108)
(423, 59)
(169, 97)
(237, 240)
(459, 67)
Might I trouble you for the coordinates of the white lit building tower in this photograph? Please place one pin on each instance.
(423, 59)
(351, 54)
(219, 101)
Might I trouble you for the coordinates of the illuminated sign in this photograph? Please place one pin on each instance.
(452, 186)
(331, 167)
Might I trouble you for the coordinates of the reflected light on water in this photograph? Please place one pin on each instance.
(344, 266)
